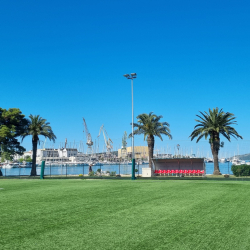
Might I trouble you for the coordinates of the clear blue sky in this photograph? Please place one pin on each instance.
(65, 60)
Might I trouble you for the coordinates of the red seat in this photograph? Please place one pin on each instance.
(156, 172)
(198, 172)
(177, 171)
(164, 172)
(185, 172)
(189, 172)
(168, 172)
(181, 171)
(202, 171)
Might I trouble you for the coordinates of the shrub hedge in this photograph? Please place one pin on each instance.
(241, 170)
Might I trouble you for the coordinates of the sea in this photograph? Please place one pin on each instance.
(122, 169)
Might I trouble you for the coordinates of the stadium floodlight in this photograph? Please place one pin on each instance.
(132, 76)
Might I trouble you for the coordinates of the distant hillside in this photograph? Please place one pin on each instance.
(245, 157)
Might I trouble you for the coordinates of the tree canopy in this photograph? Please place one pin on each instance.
(150, 125)
(38, 126)
(213, 124)
(12, 125)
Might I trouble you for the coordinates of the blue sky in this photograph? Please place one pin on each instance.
(65, 60)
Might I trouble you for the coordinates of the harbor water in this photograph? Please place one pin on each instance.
(122, 169)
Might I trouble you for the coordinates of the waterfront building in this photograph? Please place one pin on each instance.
(58, 155)
(67, 152)
(141, 152)
(47, 154)
(17, 157)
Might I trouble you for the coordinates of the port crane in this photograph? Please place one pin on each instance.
(44, 143)
(107, 140)
(124, 140)
(88, 138)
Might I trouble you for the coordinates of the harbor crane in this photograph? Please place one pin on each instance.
(88, 138)
(107, 140)
(124, 140)
(44, 143)
(124, 145)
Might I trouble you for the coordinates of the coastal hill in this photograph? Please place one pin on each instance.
(245, 157)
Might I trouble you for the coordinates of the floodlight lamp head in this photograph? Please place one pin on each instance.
(133, 74)
(126, 75)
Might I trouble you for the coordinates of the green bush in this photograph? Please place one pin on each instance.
(241, 170)
(92, 173)
(113, 173)
(27, 158)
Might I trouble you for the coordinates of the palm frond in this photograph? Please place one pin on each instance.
(213, 123)
(38, 126)
(150, 125)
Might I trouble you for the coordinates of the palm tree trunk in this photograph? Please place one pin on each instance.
(215, 147)
(33, 169)
(151, 144)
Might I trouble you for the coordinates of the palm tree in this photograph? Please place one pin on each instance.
(150, 126)
(213, 124)
(37, 126)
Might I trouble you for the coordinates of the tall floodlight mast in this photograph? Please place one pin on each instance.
(88, 138)
(132, 76)
(107, 140)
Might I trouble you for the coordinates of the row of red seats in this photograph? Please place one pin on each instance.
(179, 172)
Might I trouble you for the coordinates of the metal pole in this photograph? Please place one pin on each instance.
(132, 120)
(133, 153)
(138, 169)
(42, 170)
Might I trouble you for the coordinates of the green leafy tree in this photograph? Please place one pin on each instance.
(12, 125)
(213, 124)
(6, 156)
(150, 126)
(21, 160)
(27, 158)
(37, 126)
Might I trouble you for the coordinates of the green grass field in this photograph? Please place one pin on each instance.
(124, 214)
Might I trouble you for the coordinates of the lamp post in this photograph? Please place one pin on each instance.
(132, 76)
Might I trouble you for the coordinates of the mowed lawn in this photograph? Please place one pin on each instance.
(124, 214)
